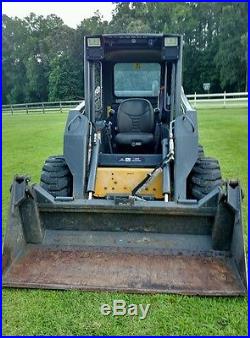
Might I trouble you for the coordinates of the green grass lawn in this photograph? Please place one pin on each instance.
(27, 142)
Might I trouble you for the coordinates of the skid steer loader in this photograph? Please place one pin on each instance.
(133, 204)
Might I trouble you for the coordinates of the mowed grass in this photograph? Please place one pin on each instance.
(27, 141)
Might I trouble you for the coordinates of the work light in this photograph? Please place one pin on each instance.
(171, 41)
(94, 42)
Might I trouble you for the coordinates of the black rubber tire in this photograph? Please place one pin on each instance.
(56, 177)
(200, 151)
(205, 176)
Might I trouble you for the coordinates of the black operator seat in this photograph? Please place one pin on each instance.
(135, 122)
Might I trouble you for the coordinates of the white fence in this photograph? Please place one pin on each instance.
(218, 100)
(39, 107)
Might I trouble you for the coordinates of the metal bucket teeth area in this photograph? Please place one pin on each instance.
(144, 247)
(90, 269)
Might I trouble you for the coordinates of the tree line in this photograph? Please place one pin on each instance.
(42, 58)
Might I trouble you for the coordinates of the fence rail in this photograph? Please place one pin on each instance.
(217, 100)
(39, 107)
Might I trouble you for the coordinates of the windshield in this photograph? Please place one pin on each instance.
(137, 79)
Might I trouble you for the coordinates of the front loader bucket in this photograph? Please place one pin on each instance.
(135, 246)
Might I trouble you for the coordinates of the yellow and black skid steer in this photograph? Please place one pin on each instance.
(133, 204)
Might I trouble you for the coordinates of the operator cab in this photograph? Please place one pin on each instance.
(133, 78)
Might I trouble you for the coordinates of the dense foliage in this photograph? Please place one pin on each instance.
(42, 57)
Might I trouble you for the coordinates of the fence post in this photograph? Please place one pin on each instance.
(194, 99)
(224, 99)
(60, 106)
(11, 108)
(43, 108)
(27, 110)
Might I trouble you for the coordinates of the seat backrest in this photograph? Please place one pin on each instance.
(135, 115)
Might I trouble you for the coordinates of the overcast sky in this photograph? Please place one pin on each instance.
(72, 13)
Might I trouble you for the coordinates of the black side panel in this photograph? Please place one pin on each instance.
(186, 151)
(76, 137)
